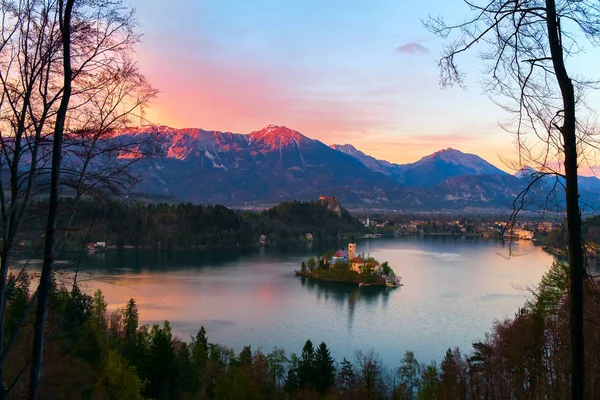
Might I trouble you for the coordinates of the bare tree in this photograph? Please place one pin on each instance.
(28, 99)
(101, 89)
(65, 10)
(67, 85)
(526, 44)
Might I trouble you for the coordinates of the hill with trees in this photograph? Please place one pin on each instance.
(189, 226)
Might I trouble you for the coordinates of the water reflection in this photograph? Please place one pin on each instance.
(349, 296)
(455, 289)
(121, 262)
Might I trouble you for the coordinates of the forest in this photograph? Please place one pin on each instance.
(97, 354)
(167, 226)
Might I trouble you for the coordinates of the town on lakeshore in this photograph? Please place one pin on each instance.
(349, 267)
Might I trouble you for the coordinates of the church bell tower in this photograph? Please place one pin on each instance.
(351, 251)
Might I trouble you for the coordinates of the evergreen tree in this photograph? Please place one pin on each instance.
(91, 339)
(276, 361)
(18, 297)
(292, 381)
(161, 358)
(201, 339)
(449, 377)
(346, 377)
(186, 378)
(130, 326)
(408, 372)
(324, 369)
(306, 365)
(429, 382)
(246, 357)
(78, 309)
(199, 351)
(130, 320)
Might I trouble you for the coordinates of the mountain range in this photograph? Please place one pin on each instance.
(276, 163)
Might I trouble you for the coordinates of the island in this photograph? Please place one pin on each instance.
(349, 267)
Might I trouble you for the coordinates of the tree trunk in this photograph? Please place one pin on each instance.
(3, 303)
(45, 284)
(576, 256)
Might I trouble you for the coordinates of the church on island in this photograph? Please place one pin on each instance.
(349, 267)
(350, 257)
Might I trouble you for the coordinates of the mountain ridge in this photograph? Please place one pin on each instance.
(277, 163)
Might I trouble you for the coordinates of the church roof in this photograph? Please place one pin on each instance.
(340, 253)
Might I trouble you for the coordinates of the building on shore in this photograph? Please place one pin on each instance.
(518, 234)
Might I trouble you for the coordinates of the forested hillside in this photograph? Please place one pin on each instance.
(188, 226)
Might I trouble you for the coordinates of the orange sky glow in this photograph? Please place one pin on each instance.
(357, 76)
(241, 100)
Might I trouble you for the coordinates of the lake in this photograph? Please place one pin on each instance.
(454, 289)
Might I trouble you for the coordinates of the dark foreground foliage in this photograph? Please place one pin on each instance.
(96, 354)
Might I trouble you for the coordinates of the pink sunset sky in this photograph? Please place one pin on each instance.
(340, 72)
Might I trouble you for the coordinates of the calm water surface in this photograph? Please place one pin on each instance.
(454, 291)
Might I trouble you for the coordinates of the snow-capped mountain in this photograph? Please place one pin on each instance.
(264, 166)
(276, 163)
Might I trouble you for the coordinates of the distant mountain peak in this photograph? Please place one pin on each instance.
(526, 172)
(277, 163)
(277, 129)
(449, 151)
(274, 136)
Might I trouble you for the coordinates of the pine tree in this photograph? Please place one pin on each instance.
(130, 320)
(429, 379)
(201, 339)
(162, 360)
(292, 382)
(324, 369)
(306, 365)
(346, 376)
(130, 327)
(276, 361)
(408, 372)
(246, 356)
(448, 382)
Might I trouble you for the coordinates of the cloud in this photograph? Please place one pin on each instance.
(412, 48)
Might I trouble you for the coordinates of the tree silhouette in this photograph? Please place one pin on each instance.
(526, 45)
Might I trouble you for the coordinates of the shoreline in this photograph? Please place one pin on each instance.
(346, 282)
(354, 283)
